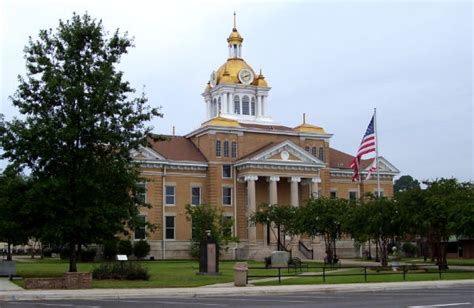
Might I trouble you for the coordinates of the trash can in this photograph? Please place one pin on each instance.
(240, 274)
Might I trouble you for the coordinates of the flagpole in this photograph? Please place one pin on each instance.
(377, 153)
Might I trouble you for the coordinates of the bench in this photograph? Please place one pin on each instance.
(296, 263)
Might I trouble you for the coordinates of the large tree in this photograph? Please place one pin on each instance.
(13, 203)
(324, 217)
(80, 121)
(443, 209)
(404, 183)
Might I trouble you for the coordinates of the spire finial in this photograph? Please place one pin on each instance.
(235, 21)
(304, 118)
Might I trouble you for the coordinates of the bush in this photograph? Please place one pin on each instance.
(121, 270)
(409, 249)
(125, 248)
(110, 249)
(141, 249)
(88, 255)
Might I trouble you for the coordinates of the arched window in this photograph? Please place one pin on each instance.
(252, 106)
(245, 105)
(219, 106)
(236, 104)
(314, 151)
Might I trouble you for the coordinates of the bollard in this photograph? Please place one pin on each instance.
(240, 274)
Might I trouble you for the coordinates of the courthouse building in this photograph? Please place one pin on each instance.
(238, 159)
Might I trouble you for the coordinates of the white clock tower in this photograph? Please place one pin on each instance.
(235, 91)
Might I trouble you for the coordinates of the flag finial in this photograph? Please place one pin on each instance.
(235, 20)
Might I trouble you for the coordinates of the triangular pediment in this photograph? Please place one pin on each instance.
(286, 152)
(144, 153)
(384, 166)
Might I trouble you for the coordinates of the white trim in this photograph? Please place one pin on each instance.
(174, 194)
(201, 130)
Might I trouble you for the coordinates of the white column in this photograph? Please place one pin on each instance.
(208, 108)
(252, 206)
(263, 105)
(273, 199)
(315, 187)
(272, 188)
(294, 190)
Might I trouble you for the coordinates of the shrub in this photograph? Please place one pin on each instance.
(125, 247)
(88, 255)
(110, 249)
(121, 270)
(141, 249)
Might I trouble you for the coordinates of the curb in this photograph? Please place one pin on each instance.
(26, 295)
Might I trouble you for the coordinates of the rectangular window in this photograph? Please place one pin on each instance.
(234, 149)
(195, 195)
(140, 230)
(141, 192)
(314, 151)
(376, 194)
(227, 171)
(218, 148)
(227, 195)
(170, 227)
(306, 148)
(170, 192)
(226, 148)
(333, 194)
(352, 196)
(321, 153)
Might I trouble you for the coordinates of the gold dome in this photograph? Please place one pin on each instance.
(308, 128)
(260, 80)
(235, 37)
(221, 121)
(229, 71)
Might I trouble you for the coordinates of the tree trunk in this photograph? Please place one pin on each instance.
(9, 251)
(72, 257)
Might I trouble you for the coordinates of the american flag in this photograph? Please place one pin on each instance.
(372, 169)
(367, 145)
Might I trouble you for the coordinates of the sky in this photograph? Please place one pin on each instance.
(334, 60)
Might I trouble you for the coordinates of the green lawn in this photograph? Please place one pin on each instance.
(182, 273)
(357, 276)
(163, 273)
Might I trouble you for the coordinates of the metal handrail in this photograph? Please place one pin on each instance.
(308, 252)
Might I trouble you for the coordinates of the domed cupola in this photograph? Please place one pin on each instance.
(235, 91)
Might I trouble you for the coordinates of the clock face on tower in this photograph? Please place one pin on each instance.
(245, 76)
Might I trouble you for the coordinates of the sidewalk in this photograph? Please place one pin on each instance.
(223, 291)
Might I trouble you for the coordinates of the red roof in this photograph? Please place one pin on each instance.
(176, 148)
(343, 160)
